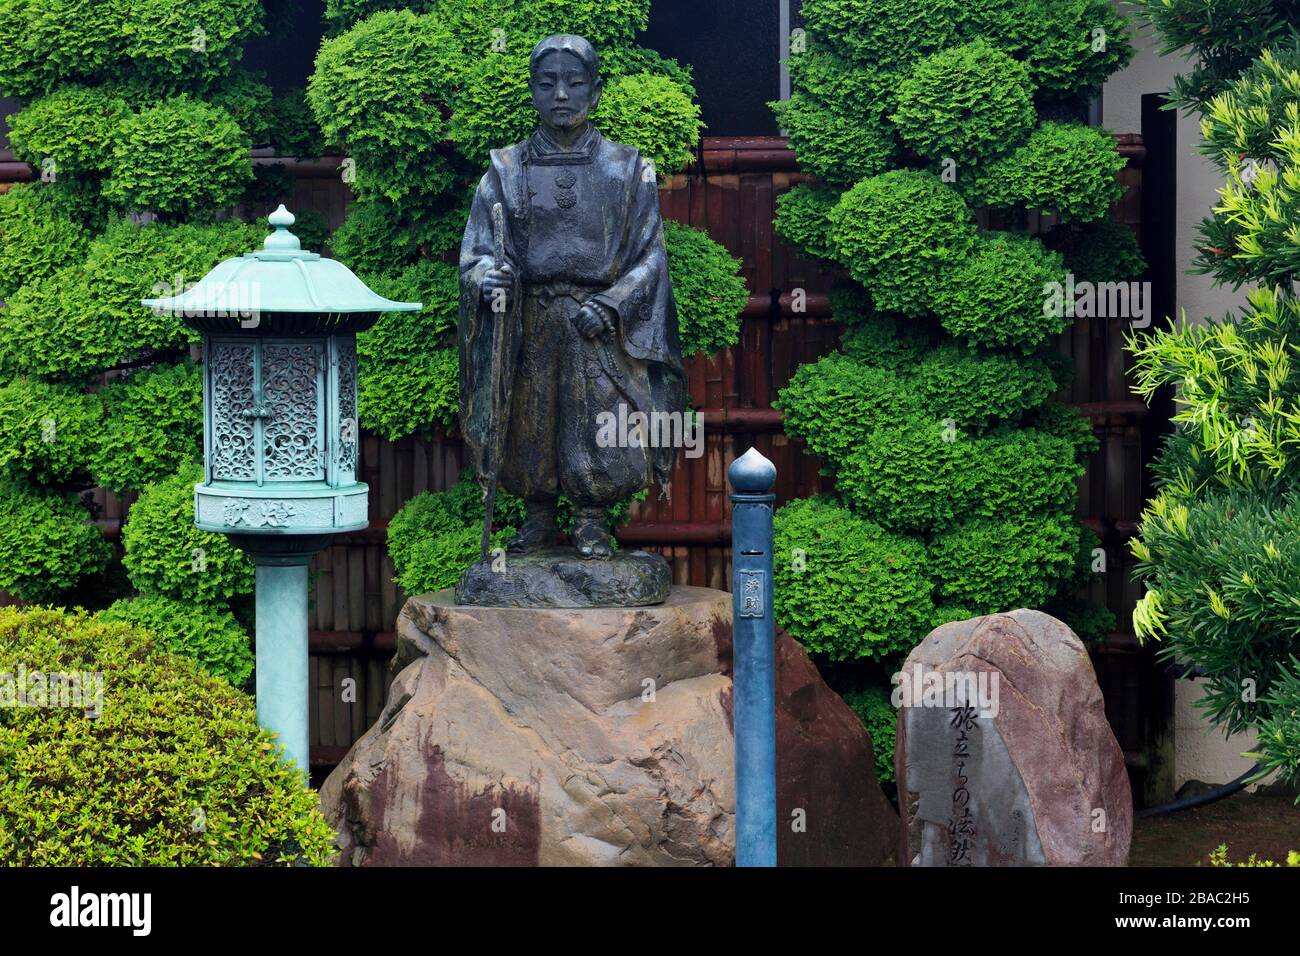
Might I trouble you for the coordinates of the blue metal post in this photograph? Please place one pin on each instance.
(754, 658)
(282, 656)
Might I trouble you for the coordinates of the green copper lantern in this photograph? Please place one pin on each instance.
(280, 436)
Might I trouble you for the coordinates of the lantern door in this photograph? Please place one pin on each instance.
(266, 410)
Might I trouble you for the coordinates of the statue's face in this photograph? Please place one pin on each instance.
(564, 93)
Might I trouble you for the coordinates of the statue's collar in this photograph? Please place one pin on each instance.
(544, 151)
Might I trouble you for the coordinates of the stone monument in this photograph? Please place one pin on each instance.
(1004, 756)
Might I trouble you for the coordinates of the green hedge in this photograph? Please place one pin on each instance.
(901, 234)
(967, 103)
(173, 771)
(167, 556)
(845, 587)
(48, 544)
(210, 636)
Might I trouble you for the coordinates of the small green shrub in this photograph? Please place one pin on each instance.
(838, 148)
(709, 289)
(834, 403)
(845, 587)
(35, 237)
(210, 636)
(75, 126)
(173, 771)
(992, 565)
(968, 103)
(46, 431)
(881, 720)
(1064, 168)
(884, 33)
(380, 90)
(803, 219)
(180, 158)
(48, 544)
(409, 371)
(167, 556)
(656, 114)
(367, 242)
(900, 234)
(995, 297)
(980, 389)
(87, 317)
(154, 425)
(433, 542)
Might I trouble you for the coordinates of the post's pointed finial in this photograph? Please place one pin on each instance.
(752, 473)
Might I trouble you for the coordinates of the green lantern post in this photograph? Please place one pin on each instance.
(280, 436)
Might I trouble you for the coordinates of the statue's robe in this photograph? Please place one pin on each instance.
(581, 223)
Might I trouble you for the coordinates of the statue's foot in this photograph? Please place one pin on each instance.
(538, 529)
(589, 535)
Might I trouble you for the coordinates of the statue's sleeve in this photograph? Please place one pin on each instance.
(642, 296)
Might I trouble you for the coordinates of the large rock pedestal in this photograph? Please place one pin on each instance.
(592, 737)
(1037, 779)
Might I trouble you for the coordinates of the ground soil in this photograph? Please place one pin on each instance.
(1265, 823)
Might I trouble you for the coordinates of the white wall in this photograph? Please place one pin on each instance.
(1201, 752)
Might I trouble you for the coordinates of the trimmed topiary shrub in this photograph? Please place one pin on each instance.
(803, 219)
(35, 237)
(180, 158)
(75, 126)
(900, 233)
(967, 103)
(46, 432)
(654, 113)
(846, 588)
(210, 636)
(167, 556)
(1067, 169)
(976, 390)
(409, 369)
(435, 537)
(47, 544)
(936, 419)
(834, 403)
(87, 318)
(990, 565)
(154, 425)
(168, 769)
(708, 287)
(994, 297)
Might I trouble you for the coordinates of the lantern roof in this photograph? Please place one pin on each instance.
(281, 277)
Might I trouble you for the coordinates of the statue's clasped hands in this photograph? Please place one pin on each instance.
(594, 320)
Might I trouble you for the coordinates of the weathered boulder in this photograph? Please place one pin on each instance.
(517, 736)
(1004, 756)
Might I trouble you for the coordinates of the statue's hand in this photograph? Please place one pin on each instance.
(593, 321)
(494, 279)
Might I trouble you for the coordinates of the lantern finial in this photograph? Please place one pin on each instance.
(282, 240)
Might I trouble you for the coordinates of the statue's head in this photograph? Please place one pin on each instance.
(564, 76)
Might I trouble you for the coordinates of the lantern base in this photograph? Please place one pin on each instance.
(293, 508)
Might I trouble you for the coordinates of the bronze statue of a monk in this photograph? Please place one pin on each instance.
(576, 268)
